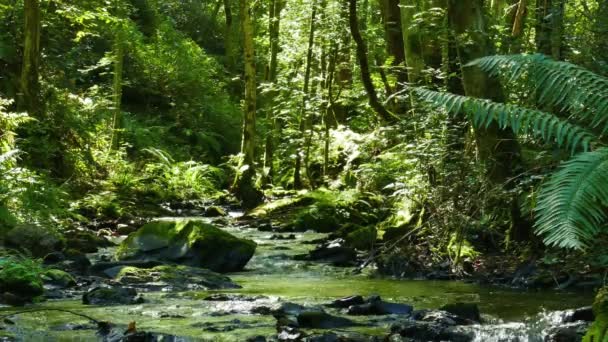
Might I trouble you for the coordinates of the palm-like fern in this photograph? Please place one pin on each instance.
(570, 208)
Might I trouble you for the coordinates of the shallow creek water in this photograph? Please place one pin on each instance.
(273, 275)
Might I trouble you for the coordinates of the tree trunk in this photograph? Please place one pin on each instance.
(276, 6)
(497, 149)
(374, 102)
(297, 178)
(412, 41)
(119, 51)
(246, 190)
(29, 97)
(394, 36)
(229, 41)
(549, 27)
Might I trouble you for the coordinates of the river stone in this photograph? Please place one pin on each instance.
(346, 302)
(111, 295)
(376, 306)
(188, 242)
(38, 240)
(569, 332)
(318, 319)
(464, 310)
(176, 277)
(58, 279)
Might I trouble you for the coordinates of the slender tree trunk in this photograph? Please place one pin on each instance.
(29, 97)
(374, 102)
(276, 6)
(229, 41)
(246, 190)
(297, 178)
(412, 41)
(549, 27)
(394, 36)
(119, 51)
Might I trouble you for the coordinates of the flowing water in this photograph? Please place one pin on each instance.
(274, 277)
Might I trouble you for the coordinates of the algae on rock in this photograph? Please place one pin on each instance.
(598, 332)
(188, 242)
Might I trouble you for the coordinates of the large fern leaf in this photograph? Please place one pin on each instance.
(521, 120)
(571, 205)
(569, 87)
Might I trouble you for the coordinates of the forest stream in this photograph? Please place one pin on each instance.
(273, 278)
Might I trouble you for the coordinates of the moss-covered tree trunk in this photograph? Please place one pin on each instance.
(362, 57)
(29, 92)
(498, 149)
(245, 189)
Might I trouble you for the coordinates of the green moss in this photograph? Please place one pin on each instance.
(362, 238)
(37, 240)
(20, 277)
(150, 236)
(598, 332)
(58, 277)
(188, 242)
(175, 275)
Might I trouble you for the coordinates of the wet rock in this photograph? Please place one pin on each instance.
(265, 227)
(440, 317)
(214, 211)
(224, 297)
(58, 279)
(112, 268)
(569, 332)
(581, 314)
(37, 240)
(85, 241)
(346, 302)
(111, 295)
(175, 277)
(125, 229)
(333, 252)
(289, 308)
(468, 311)
(74, 327)
(319, 319)
(188, 242)
(283, 237)
(74, 263)
(53, 258)
(428, 331)
(289, 334)
(376, 306)
(256, 339)
(599, 330)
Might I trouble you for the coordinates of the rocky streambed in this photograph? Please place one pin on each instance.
(158, 291)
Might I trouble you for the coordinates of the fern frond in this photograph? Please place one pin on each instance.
(521, 120)
(162, 156)
(569, 87)
(572, 203)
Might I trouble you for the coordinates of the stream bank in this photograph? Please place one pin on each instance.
(282, 296)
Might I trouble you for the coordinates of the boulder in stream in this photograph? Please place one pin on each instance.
(464, 310)
(111, 295)
(376, 306)
(188, 242)
(334, 252)
(174, 277)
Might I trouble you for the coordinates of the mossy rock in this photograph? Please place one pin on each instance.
(85, 241)
(37, 240)
(320, 218)
(20, 279)
(362, 238)
(175, 276)
(598, 332)
(188, 242)
(58, 278)
(215, 211)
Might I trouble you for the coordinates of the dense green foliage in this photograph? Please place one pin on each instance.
(440, 132)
